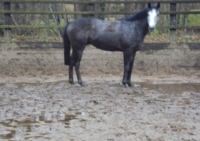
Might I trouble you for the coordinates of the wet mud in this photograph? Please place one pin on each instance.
(102, 110)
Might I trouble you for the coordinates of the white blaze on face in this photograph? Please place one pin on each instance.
(152, 18)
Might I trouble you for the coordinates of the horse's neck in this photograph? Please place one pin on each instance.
(143, 25)
(145, 29)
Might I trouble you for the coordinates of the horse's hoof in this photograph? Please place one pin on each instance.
(127, 85)
(71, 82)
(82, 85)
(124, 83)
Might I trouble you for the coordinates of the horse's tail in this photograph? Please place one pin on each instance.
(66, 47)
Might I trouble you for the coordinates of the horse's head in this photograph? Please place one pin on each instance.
(152, 15)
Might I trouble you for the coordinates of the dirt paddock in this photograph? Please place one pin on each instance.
(37, 102)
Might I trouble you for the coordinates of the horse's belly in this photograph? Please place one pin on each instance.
(107, 47)
(107, 43)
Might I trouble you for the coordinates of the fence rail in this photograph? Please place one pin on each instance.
(99, 2)
(91, 12)
(7, 12)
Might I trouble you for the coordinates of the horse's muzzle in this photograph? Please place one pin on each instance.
(151, 29)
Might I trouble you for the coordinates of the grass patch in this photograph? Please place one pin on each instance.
(194, 19)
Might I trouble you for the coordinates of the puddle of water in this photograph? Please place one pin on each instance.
(49, 122)
(8, 134)
(17, 129)
(172, 88)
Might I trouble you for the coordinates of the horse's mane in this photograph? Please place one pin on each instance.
(138, 15)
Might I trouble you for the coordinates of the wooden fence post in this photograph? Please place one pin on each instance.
(7, 18)
(173, 22)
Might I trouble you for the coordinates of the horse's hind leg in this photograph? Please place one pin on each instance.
(77, 66)
(71, 79)
(75, 62)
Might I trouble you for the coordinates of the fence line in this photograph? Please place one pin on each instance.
(172, 13)
(99, 2)
(90, 12)
(61, 27)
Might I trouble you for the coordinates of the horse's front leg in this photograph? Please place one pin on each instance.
(128, 66)
(130, 70)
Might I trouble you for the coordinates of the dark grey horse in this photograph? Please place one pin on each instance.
(124, 35)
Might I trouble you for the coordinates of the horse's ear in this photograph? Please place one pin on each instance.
(158, 5)
(149, 5)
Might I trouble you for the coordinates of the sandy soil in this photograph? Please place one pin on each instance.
(37, 102)
(48, 108)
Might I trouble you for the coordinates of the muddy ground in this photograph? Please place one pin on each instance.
(49, 108)
(37, 103)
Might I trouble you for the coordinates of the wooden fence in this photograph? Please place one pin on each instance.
(7, 12)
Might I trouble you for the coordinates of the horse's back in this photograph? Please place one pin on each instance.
(102, 34)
